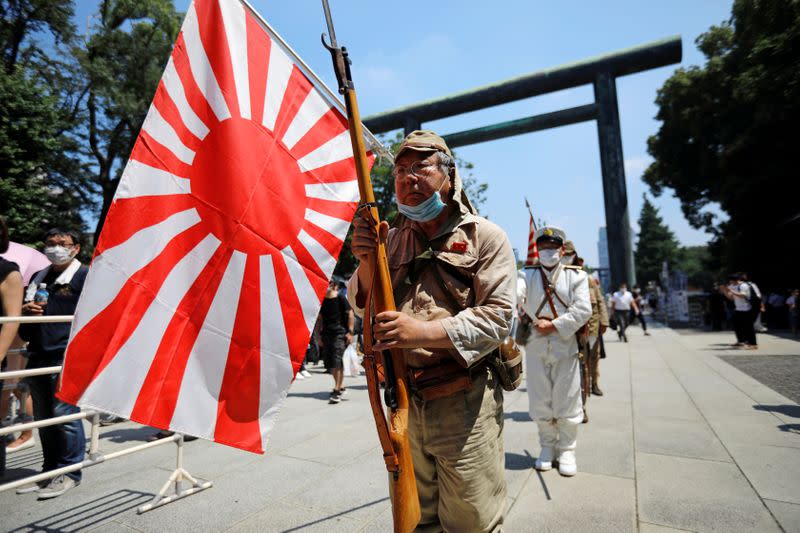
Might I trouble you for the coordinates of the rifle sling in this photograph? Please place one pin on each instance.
(371, 368)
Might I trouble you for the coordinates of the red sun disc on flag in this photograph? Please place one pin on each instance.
(216, 252)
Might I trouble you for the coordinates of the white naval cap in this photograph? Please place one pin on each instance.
(550, 233)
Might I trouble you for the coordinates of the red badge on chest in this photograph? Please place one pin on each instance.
(459, 247)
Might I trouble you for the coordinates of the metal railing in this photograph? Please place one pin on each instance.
(163, 497)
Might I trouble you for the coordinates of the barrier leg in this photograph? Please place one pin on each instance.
(176, 478)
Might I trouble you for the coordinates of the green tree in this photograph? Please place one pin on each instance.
(695, 261)
(41, 174)
(726, 139)
(656, 244)
(123, 60)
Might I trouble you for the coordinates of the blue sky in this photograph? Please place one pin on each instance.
(402, 55)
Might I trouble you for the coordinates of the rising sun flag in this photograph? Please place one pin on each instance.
(223, 233)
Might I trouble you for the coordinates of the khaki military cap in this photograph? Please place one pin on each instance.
(423, 141)
(569, 248)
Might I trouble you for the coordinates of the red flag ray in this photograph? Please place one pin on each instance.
(258, 49)
(295, 94)
(151, 152)
(195, 95)
(197, 406)
(333, 208)
(238, 407)
(214, 39)
(172, 115)
(200, 64)
(298, 329)
(95, 341)
(127, 366)
(330, 125)
(174, 87)
(325, 237)
(159, 393)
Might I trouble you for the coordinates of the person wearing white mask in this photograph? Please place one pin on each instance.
(556, 296)
(65, 444)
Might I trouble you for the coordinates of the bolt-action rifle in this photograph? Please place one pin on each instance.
(392, 422)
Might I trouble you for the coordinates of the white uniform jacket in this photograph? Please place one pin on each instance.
(572, 290)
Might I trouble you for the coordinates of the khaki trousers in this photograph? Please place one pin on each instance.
(594, 360)
(459, 463)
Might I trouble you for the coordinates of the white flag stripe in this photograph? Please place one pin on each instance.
(276, 365)
(196, 409)
(333, 225)
(311, 110)
(309, 302)
(336, 149)
(233, 19)
(129, 367)
(162, 131)
(340, 191)
(175, 90)
(139, 179)
(111, 269)
(201, 66)
(324, 260)
(278, 72)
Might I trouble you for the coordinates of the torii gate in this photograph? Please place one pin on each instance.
(602, 72)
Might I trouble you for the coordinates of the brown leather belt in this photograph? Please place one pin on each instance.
(442, 380)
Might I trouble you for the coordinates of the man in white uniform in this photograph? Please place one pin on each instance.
(552, 350)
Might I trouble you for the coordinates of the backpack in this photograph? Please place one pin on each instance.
(754, 298)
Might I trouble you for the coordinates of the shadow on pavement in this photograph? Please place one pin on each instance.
(331, 517)
(518, 416)
(128, 434)
(790, 428)
(517, 461)
(320, 395)
(786, 410)
(90, 514)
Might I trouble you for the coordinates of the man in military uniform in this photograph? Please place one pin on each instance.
(453, 274)
(556, 297)
(598, 323)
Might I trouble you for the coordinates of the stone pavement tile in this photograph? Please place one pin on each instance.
(340, 444)
(113, 527)
(586, 502)
(698, 495)
(358, 490)
(380, 524)
(209, 460)
(605, 444)
(645, 527)
(683, 438)
(787, 514)
(287, 518)
(774, 471)
(232, 498)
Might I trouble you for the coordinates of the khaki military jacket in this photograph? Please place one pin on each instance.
(599, 309)
(474, 259)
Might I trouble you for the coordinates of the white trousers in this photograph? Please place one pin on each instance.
(554, 395)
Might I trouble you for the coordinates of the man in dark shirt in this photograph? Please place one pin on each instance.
(64, 444)
(336, 325)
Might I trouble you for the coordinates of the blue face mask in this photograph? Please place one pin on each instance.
(424, 212)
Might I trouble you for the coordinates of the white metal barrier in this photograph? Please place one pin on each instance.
(163, 497)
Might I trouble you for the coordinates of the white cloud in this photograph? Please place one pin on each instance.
(636, 165)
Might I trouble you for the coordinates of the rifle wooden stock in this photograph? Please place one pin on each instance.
(402, 484)
(391, 423)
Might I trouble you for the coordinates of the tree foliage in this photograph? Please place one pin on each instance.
(656, 244)
(123, 60)
(726, 136)
(41, 173)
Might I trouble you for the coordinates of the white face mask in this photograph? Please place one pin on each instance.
(567, 259)
(58, 255)
(549, 258)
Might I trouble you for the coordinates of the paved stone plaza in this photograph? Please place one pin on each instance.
(682, 440)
